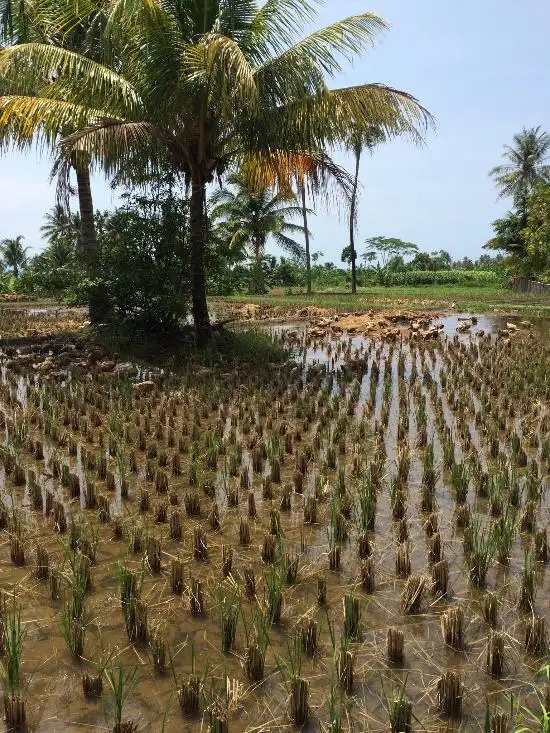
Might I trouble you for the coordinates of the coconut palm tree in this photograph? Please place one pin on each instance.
(357, 142)
(77, 28)
(61, 231)
(527, 163)
(198, 85)
(253, 215)
(14, 254)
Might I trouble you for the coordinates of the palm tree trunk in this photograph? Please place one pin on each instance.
(88, 237)
(353, 204)
(198, 278)
(258, 285)
(98, 299)
(306, 232)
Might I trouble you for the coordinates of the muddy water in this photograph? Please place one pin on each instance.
(53, 680)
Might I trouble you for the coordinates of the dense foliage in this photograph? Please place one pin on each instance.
(524, 177)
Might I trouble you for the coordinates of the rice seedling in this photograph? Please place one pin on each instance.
(528, 587)
(249, 582)
(460, 479)
(528, 519)
(505, 532)
(274, 596)
(352, 617)
(176, 576)
(252, 513)
(395, 645)
(450, 691)
(402, 560)
(196, 599)
(92, 685)
(365, 507)
(214, 517)
(153, 553)
(345, 665)
(497, 722)
(200, 544)
(400, 712)
(54, 582)
(122, 683)
(135, 618)
(144, 501)
(290, 564)
(536, 637)
(412, 594)
(489, 608)
(540, 546)
(463, 515)
(13, 635)
(452, 627)
(440, 578)
(192, 503)
(495, 653)
(435, 550)
(480, 546)
(431, 525)
(229, 607)
(176, 530)
(227, 560)
(17, 549)
(321, 591)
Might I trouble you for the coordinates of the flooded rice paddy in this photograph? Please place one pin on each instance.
(355, 540)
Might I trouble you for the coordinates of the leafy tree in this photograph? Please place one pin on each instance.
(197, 86)
(348, 255)
(14, 254)
(509, 235)
(253, 215)
(144, 259)
(440, 260)
(383, 248)
(537, 232)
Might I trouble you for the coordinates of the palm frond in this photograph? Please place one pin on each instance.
(275, 26)
(28, 120)
(289, 245)
(324, 48)
(36, 65)
(120, 147)
(219, 66)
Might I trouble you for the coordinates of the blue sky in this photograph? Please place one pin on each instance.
(480, 66)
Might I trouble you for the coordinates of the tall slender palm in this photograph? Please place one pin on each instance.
(200, 84)
(306, 238)
(320, 178)
(527, 163)
(253, 215)
(358, 141)
(14, 254)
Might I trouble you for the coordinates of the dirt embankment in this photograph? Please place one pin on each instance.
(394, 323)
